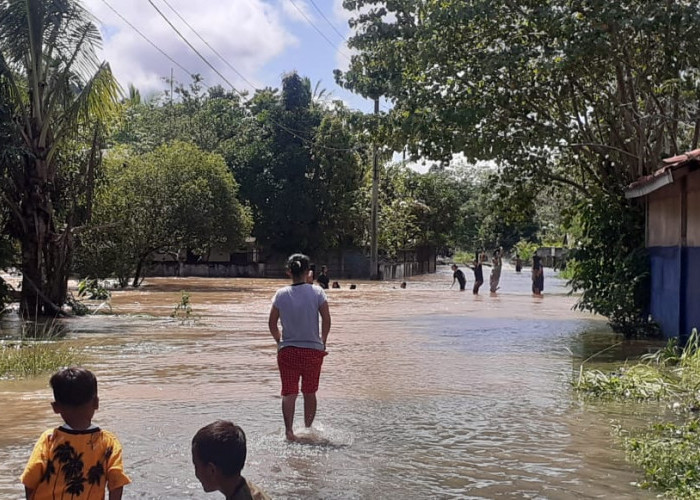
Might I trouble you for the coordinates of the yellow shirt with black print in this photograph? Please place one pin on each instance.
(67, 463)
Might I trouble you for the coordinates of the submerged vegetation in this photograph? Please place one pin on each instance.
(39, 350)
(32, 357)
(668, 453)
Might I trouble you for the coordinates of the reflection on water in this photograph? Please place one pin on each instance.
(427, 392)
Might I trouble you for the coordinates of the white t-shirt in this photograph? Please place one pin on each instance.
(298, 306)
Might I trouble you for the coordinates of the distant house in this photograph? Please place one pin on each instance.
(672, 196)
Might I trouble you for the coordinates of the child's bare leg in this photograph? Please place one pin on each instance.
(309, 408)
(288, 406)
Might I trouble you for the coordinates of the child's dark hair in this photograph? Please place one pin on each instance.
(73, 386)
(298, 263)
(223, 444)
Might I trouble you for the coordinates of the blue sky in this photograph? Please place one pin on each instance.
(262, 39)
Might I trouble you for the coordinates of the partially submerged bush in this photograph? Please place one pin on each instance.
(668, 453)
(29, 358)
(639, 382)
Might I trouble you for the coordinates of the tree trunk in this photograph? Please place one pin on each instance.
(45, 257)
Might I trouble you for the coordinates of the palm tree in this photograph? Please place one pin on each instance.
(59, 93)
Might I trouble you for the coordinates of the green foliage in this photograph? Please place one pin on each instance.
(31, 358)
(526, 250)
(183, 309)
(173, 198)
(669, 456)
(59, 98)
(612, 268)
(93, 289)
(667, 453)
(639, 382)
(39, 350)
(581, 97)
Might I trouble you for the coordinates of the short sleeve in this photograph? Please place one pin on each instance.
(322, 298)
(275, 298)
(35, 469)
(115, 468)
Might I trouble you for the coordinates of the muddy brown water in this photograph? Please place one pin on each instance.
(427, 392)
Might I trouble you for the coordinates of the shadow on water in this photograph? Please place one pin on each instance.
(427, 392)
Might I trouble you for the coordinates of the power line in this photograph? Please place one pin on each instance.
(313, 25)
(292, 132)
(328, 21)
(233, 87)
(208, 45)
(148, 39)
(206, 61)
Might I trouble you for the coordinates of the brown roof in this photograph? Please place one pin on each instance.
(662, 176)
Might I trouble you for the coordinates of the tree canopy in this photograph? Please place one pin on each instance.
(174, 198)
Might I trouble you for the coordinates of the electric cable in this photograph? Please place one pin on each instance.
(148, 39)
(328, 21)
(313, 25)
(233, 68)
(292, 132)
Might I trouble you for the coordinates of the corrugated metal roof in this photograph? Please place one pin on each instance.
(661, 177)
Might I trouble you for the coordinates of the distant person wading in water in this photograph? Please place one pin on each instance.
(537, 275)
(497, 264)
(458, 275)
(301, 347)
(478, 276)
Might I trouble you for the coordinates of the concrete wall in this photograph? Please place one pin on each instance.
(342, 265)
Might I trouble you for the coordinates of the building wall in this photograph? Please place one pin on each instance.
(664, 217)
(693, 187)
(665, 304)
(675, 256)
(692, 290)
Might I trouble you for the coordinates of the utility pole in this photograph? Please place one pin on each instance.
(373, 257)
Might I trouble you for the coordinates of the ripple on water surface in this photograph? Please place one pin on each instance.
(426, 393)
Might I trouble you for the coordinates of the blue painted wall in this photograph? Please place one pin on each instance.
(666, 288)
(692, 289)
(675, 289)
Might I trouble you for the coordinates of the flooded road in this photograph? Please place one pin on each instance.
(426, 392)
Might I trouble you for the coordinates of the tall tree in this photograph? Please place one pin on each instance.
(56, 87)
(174, 198)
(588, 94)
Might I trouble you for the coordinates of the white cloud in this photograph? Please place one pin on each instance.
(248, 33)
(298, 10)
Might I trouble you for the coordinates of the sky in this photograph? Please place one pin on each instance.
(261, 39)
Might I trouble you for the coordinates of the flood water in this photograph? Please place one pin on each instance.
(427, 392)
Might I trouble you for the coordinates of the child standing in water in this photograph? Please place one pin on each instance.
(497, 265)
(218, 453)
(301, 346)
(537, 276)
(478, 276)
(77, 459)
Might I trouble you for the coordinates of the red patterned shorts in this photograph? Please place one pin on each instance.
(295, 362)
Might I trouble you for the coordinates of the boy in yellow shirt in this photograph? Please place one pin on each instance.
(77, 459)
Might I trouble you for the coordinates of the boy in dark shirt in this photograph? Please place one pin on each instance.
(458, 276)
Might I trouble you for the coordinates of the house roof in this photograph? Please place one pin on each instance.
(663, 176)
